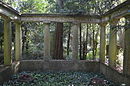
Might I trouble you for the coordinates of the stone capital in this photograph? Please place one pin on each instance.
(17, 22)
(6, 18)
(75, 23)
(114, 22)
(127, 17)
(103, 24)
(127, 23)
(47, 23)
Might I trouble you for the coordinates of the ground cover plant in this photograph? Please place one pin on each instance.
(58, 79)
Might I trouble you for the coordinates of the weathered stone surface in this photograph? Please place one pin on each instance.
(47, 42)
(7, 42)
(58, 65)
(113, 44)
(114, 75)
(18, 41)
(7, 71)
(61, 18)
(75, 42)
(126, 62)
(117, 12)
(102, 42)
(6, 10)
(63, 65)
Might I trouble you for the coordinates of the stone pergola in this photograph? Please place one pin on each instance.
(112, 17)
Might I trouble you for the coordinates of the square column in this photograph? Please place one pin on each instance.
(126, 61)
(113, 44)
(47, 42)
(75, 28)
(7, 42)
(18, 41)
(102, 42)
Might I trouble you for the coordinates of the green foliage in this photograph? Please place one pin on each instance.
(35, 34)
(58, 79)
(33, 6)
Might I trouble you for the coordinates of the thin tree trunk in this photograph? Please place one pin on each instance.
(96, 43)
(26, 41)
(84, 57)
(80, 51)
(23, 40)
(68, 41)
(93, 45)
(86, 40)
(58, 51)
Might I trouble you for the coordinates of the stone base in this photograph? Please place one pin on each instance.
(59, 65)
(114, 75)
(63, 65)
(7, 71)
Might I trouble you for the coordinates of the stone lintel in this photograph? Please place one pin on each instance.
(61, 18)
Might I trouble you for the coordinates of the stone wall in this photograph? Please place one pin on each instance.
(114, 75)
(63, 65)
(7, 71)
(58, 65)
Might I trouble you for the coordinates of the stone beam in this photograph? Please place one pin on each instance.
(6, 10)
(60, 18)
(117, 12)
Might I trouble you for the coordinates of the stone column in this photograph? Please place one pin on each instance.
(18, 41)
(7, 42)
(47, 41)
(126, 64)
(113, 44)
(75, 28)
(102, 42)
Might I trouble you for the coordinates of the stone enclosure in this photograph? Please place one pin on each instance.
(8, 14)
(62, 65)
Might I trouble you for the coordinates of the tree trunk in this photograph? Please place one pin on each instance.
(80, 51)
(86, 41)
(93, 45)
(95, 42)
(26, 41)
(68, 41)
(58, 51)
(84, 46)
(23, 39)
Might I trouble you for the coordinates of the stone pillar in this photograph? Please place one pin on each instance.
(75, 28)
(113, 44)
(126, 64)
(47, 42)
(102, 42)
(7, 42)
(18, 41)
